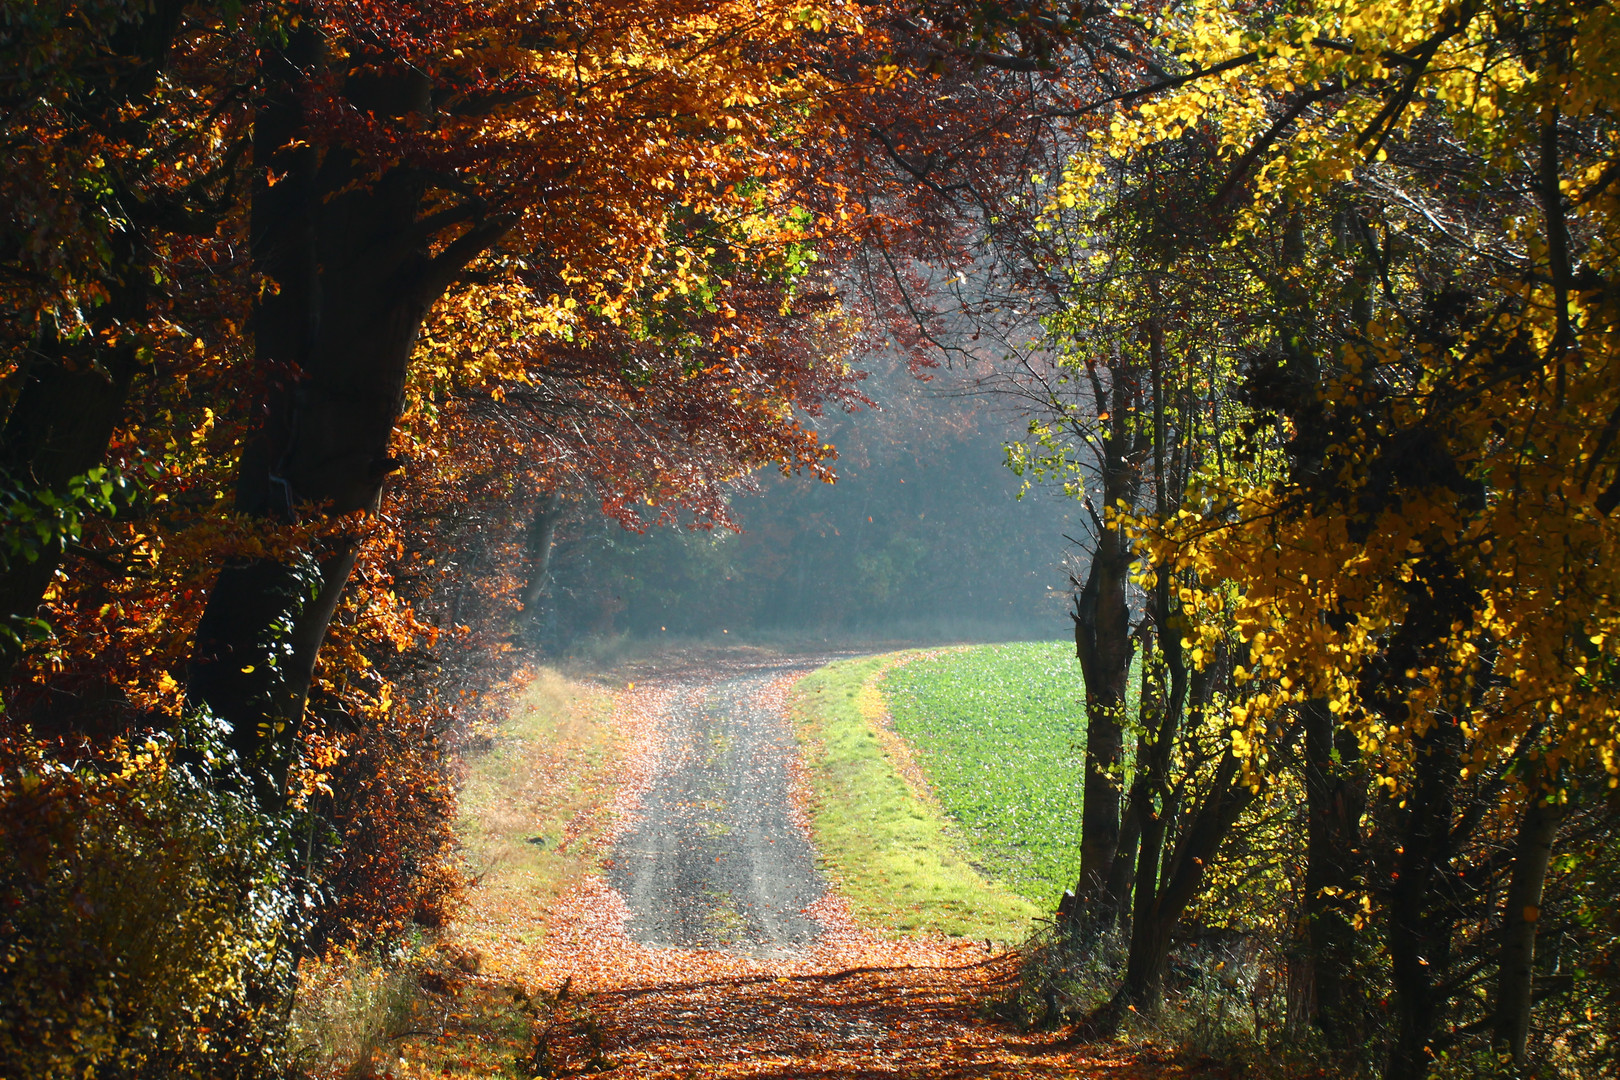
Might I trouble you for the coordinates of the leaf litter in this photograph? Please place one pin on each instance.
(567, 991)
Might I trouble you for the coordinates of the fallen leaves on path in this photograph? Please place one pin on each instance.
(885, 1022)
(856, 1003)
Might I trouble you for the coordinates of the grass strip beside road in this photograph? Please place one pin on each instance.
(893, 854)
(534, 795)
(536, 788)
(1000, 732)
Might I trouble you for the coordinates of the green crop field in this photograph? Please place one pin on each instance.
(1000, 733)
(896, 859)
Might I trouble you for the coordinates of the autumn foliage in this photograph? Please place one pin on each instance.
(315, 313)
(1336, 369)
(310, 311)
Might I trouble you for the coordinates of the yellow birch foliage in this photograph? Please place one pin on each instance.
(1467, 471)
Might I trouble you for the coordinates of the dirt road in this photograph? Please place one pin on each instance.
(720, 858)
(712, 945)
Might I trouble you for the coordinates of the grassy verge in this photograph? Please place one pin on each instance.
(1000, 733)
(894, 854)
(458, 1006)
(537, 780)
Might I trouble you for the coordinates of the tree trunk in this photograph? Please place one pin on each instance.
(1122, 877)
(355, 278)
(1159, 910)
(1335, 795)
(1104, 645)
(1521, 916)
(1420, 925)
(542, 537)
(1152, 922)
(73, 395)
(59, 429)
(1150, 939)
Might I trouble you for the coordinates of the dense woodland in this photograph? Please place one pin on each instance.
(327, 325)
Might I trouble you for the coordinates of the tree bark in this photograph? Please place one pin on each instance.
(1159, 909)
(1122, 877)
(1104, 645)
(541, 539)
(1152, 809)
(1521, 916)
(73, 395)
(1335, 796)
(1420, 924)
(355, 277)
(59, 428)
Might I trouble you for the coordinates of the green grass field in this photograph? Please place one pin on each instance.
(895, 857)
(999, 730)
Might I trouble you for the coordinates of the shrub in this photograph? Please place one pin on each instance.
(389, 811)
(1062, 977)
(142, 915)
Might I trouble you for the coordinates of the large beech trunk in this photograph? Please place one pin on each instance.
(354, 279)
(1335, 796)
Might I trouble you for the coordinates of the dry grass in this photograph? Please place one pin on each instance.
(532, 799)
(536, 792)
(350, 1006)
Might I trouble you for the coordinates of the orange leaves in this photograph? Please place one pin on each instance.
(855, 1002)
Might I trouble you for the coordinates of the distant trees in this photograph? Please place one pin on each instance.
(921, 535)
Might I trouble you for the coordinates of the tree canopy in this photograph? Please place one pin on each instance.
(316, 313)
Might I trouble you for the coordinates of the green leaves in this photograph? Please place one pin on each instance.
(35, 520)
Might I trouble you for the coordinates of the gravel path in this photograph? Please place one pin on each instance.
(719, 859)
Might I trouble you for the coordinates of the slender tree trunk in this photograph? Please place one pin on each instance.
(1122, 877)
(1102, 643)
(1150, 806)
(1150, 802)
(1149, 942)
(1521, 915)
(541, 539)
(1335, 795)
(1159, 910)
(355, 277)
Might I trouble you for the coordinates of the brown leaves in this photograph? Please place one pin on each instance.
(855, 1003)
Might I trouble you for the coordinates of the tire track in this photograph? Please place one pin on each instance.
(719, 858)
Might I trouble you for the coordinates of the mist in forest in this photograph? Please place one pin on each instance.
(922, 538)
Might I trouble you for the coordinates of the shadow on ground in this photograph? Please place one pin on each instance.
(872, 1023)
